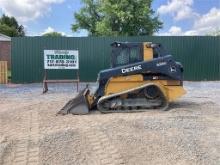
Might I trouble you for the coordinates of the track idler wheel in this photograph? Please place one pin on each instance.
(151, 92)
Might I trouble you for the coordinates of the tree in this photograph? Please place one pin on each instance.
(9, 31)
(10, 27)
(53, 34)
(215, 32)
(117, 17)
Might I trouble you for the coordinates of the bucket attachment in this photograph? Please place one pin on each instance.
(77, 105)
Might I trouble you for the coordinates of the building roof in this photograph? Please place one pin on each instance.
(4, 37)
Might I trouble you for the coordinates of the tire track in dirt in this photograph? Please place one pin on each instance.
(24, 149)
(105, 151)
(91, 140)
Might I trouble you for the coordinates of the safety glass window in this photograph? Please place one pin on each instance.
(122, 58)
(135, 54)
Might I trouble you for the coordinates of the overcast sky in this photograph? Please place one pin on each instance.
(180, 17)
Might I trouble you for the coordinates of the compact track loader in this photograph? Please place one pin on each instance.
(142, 76)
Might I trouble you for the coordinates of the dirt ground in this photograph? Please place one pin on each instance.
(31, 133)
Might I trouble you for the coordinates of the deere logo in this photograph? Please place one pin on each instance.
(133, 68)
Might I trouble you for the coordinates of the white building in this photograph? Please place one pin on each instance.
(4, 37)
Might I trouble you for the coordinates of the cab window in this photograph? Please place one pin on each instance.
(135, 54)
(122, 58)
(126, 55)
(155, 53)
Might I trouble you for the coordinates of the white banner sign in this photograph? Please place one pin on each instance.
(61, 59)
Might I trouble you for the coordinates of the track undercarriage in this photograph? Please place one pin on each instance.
(133, 100)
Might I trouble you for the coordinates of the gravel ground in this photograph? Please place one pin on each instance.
(31, 133)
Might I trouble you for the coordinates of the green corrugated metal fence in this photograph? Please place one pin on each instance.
(200, 55)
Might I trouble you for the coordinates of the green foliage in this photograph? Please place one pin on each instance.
(10, 27)
(53, 34)
(117, 17)
(9, 31)
(216, 32)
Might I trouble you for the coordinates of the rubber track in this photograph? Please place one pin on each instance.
(102, 99)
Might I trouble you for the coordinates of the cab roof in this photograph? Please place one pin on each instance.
(128, 44)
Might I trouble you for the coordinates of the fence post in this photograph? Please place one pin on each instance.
(3, 72)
